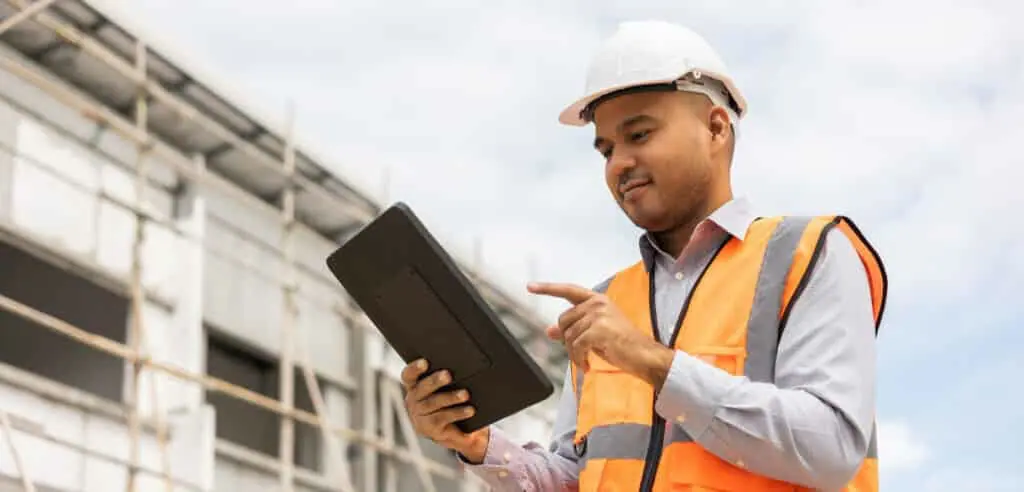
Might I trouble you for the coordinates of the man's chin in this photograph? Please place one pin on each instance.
(647, 220)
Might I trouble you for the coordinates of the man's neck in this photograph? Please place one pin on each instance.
(674, 240)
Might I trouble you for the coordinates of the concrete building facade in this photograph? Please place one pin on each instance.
(166, 318)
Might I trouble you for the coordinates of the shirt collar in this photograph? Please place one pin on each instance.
(735, 217)
(732, 218)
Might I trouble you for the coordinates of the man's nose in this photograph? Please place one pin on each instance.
(621, 162)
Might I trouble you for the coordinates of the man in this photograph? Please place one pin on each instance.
(738, 352)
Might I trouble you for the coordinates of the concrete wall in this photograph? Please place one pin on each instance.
(8, 140)
(39, 408)
(243, 286)
(61, 179)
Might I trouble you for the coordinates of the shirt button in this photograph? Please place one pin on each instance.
(679, 275)
(508, 457)
(681, 419)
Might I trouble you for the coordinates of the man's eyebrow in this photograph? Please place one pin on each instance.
(628, 122)
(633, 120)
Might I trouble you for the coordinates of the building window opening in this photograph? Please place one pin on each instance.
(251, 426)
(74, 299)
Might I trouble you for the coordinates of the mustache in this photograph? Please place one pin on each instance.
(632, 175)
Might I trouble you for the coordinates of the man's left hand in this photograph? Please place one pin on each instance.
(595, 324)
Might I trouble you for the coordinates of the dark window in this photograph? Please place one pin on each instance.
(71, 298)
(246, 424)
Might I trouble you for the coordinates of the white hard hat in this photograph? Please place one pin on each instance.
(646, 55)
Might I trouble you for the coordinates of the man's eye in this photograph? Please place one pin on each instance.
(638, 136)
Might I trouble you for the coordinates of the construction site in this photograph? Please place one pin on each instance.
(167, 321)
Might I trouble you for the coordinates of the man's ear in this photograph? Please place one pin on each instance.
(722, 138)
(719, 123)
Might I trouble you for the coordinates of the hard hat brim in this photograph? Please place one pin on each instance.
(572, 115)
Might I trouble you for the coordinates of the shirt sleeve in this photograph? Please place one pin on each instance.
(813, 426)
(531, 468)
(509, 467)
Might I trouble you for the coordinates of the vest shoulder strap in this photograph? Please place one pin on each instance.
(808, 253)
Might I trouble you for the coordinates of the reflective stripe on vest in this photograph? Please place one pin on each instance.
(613, 449)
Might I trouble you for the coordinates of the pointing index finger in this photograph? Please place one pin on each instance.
(570, 292)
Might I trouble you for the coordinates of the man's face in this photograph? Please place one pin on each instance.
(657, 159)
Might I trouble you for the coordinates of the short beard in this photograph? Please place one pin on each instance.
(685, 216)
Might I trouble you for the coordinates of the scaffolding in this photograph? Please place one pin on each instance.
(136, 352)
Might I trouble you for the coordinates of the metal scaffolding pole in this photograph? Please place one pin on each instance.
(137, 293)
(291, 340)
(19, 464)
(393, 391)
(319, 406)
(368, 390)
(138, 334)
(23, 14)
(292, 343)
(287, 364)
(387, 430)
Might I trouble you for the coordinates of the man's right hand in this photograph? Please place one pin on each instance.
(434, 413)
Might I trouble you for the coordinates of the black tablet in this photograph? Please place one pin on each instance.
(425, 307)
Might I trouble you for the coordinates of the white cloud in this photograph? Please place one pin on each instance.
(976, 479)
(900, 449)
(883, 117)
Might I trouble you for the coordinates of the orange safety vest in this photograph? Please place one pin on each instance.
(733, 319)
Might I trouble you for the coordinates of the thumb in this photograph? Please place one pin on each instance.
(554, 332)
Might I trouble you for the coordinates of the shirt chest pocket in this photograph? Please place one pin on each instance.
(613, 396)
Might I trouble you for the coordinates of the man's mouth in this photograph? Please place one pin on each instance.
(633, 185)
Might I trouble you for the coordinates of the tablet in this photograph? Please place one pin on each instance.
(425, 307)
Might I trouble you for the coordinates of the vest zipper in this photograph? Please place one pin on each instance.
(653, 457)
(657, 442)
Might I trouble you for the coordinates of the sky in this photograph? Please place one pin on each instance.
(904, 115)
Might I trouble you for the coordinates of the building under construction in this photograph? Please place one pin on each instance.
(166, 318)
